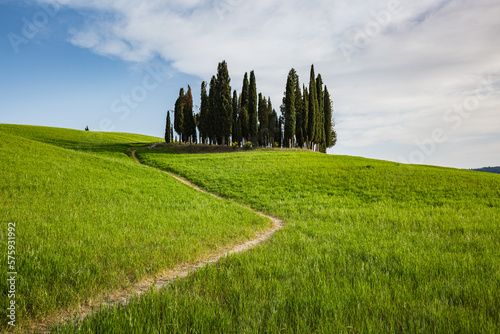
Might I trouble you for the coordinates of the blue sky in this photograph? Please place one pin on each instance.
(410, 81)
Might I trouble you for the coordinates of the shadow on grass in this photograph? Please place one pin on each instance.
(176, 148)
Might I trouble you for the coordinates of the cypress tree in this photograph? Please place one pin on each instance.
(312, 125)
(245, 92)
(224, 105)
(212, 113)
(320, 114)
(167, 129)
(189, 125)
(298, 98)
(269, 124)
(289, 110)
(236, 129)
(204, 121)
(299, 115)
(305, 114)
(245, 131)
(252, 109)
(179, 114)
(263, 121)
(273, 127)
(330, 133)
(239, 132)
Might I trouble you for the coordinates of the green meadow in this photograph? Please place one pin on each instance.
(369, 247)
(91, 221)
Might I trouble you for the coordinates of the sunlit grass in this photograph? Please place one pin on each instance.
(90, 221)
(369, 246)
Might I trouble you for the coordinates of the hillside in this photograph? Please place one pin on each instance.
(90, 221)
(369, 246)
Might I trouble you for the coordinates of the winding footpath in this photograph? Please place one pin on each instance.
(164, 278)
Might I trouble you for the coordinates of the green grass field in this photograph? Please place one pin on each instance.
(369, 247)
(90, 220)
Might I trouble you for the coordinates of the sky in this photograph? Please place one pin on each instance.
(410, 81)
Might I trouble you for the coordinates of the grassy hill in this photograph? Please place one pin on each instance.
(90, 220)
(369, 246)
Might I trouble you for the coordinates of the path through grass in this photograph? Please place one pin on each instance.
(369, 246)
(90, 221)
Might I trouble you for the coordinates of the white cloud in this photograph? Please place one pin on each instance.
(404, 74)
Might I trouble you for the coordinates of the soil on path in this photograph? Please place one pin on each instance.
(162, 279)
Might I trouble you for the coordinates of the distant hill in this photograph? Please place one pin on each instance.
(495, 170)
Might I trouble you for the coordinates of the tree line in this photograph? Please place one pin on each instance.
(227, 117)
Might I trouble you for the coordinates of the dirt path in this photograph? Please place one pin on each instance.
(277, 224)
(186, 182)
(162, 279)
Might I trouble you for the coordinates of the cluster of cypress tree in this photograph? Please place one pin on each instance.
(237, 118)
(305, 121)
(307, 114)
